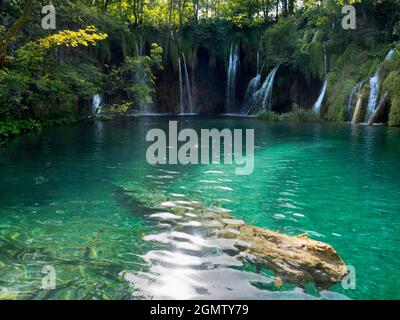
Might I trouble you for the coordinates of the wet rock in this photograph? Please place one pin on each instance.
(297, 260)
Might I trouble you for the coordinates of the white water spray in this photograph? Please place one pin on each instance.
(96, 104)
(262, 98)
(184, 87)
(266, 90)
(181, 107)
(375, 88)
(188, 87)
(231, 83)
(317, 105)
(250, 95)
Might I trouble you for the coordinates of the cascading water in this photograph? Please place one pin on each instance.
(266, 90)
(188, 88)
(375, 88)
(262, 98)
(373, 94)
(96, 104)
(317, 105)
(181, 107)
(352, 99)
(184, 78)
(390, 54)
(254, 85)
(231, 83)
(140, 76)
(251, 90)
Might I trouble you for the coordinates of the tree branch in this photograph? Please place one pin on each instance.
(13, 30)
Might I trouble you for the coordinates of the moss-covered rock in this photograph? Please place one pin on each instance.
(300, 115)
(268, 116)
(392, 85)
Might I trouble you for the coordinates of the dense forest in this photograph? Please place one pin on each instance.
(202, 56)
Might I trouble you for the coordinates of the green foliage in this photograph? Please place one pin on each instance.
(392, 84)
(268, 116)
(11, 127)
(119, 108)
(134, 79)
(338, 98)
(281, 42)
(14, 88)
(347, 69)
(300, 115)
(296, 115)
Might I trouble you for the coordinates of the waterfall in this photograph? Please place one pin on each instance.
(352, 99)
(231, 83)
(184, 79)
(262, 98)
(188, 88)
(317, 105)
(375, 88)
(181, 108)
(251, 90)
(267, 90)
(373, 94)
(140, 76)
(96, 104)
(390, 54)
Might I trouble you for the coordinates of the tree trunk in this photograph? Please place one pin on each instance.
(381, 106)
(13, 30)
(196, 10)
(357, 111)
(284, 7)
(291, 6)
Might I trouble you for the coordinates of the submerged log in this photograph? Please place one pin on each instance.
(298, 260)
(381, 106)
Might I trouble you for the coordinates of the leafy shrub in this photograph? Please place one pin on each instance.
(281, 42)
(300, 115)
(268, 116)
(392, 84)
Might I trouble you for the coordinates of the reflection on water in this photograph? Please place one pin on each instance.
(62, 204)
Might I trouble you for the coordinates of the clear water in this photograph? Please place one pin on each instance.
(61, 204)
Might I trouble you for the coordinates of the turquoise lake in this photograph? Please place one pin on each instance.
(61, 205)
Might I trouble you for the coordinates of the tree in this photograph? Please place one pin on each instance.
(6, 39)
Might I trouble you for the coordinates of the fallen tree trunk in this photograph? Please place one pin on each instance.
(299, 260)
(381, 106)
(357, 111)
(5, 40)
